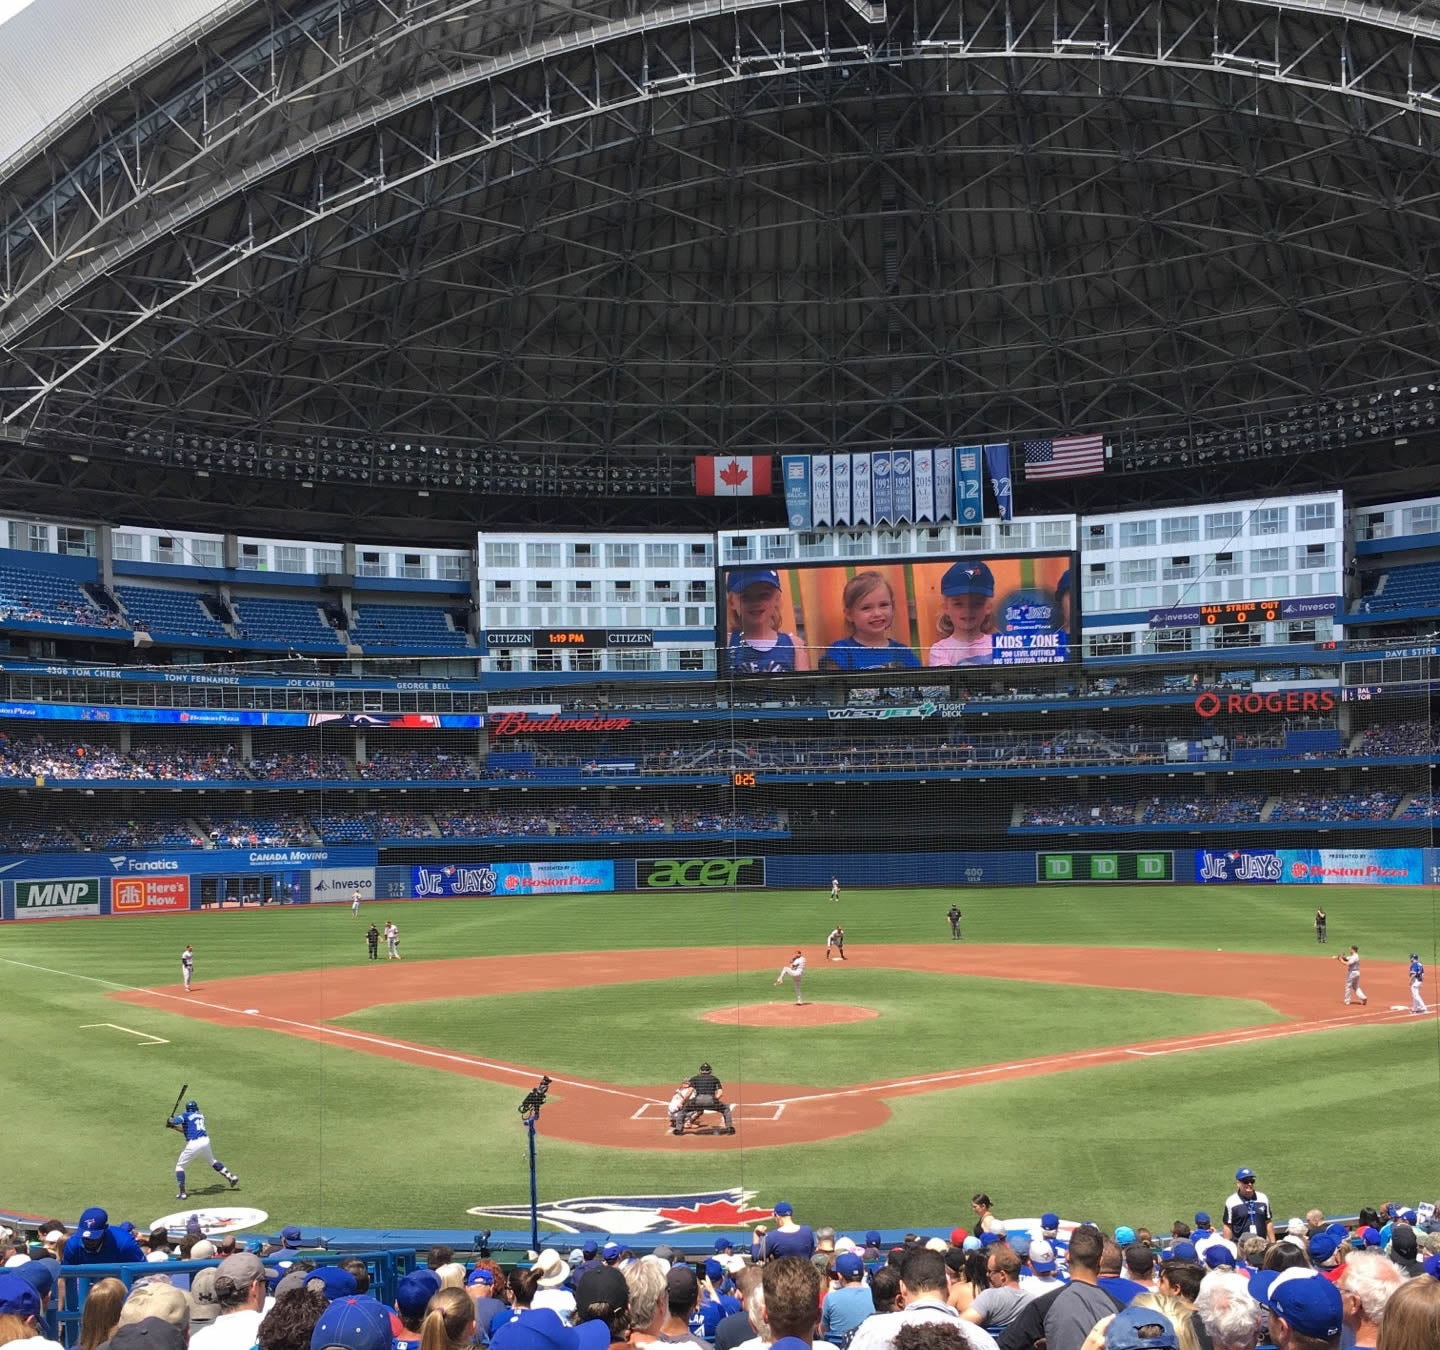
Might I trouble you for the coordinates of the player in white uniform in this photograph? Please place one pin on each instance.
(1351, 961)
(835, 888)
(187, 966)
(191, 1123)
(836, 942)
(392, 942)
(355, 904)
(795, 969)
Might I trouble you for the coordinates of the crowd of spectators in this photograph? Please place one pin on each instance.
(392, 763)
(275, 830)
(493, 824)
(1371, 1283)
(1422, 806)
(297, 766)
(1338, 806)
(1208, 809)
(1397, 738)
(1080, 813)
(1221, 808)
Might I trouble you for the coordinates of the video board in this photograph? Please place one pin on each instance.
(897, 614)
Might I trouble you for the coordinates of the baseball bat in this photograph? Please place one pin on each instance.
(179, 1097)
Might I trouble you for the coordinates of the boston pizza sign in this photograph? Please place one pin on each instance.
(1211, 704)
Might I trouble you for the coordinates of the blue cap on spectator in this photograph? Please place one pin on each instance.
(1308, 1302)
(1338, 1231)
(1245, 1174)
(290, 1236)
(415, 1291)
(337, 1283)
(990, 1239)
(1322, 1247)
(1020, 1244)
(784, 1207)
(850, 1266)
(589, 1247)
(970, 577)
(1432, 1266)
(1125, 1236)
(714, 1270)
(612, 1251)
(480, 1276)
(1042, 1257)
(1128, 1331)
(752, 576)
(1202, 1219)
(1184, 1250)
(1369, 1237)
(1217, 1254)
(127, 1226)
(535, 1329)
(352, 1324)
(723, 1244)
(1407, 1216)
(971, 1244)
(872, 1237)
(18, 1297)
(93, 1223)
(1049, 1223)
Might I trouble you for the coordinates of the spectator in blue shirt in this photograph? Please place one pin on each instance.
(95, 1243)
(849, 1305)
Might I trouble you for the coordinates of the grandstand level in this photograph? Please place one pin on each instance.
(620, 497)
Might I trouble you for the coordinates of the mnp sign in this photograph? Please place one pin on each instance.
(1117, 866)
(67, 897)
(698, 874)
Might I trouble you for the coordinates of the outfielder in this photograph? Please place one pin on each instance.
(1351, 961)
(191, 1123)
(355, 904)
(795, 969)
(187, 966)
(1417, 984)
(835, 888)
(836, 942)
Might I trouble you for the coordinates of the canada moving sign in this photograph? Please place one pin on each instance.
(1249, 705)
(146, 895)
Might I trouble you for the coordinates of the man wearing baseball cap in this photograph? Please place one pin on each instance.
(241, 1283)
(358, 1323)
(788, 1239)
(1248, 1210)
(849, 1304)
(95, 1243)
(1305, 1308)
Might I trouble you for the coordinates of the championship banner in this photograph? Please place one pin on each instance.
(863, 510)
(840, 488)
(820, 502)
(924, 485)
(902, 480)
(795, 469)
(881, 489)
(944, 483)
(997, 463)
(969, 493)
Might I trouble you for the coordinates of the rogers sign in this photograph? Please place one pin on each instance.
(516, 723)
(1242, 705)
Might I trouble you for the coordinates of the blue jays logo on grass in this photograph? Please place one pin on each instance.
(638, 1213)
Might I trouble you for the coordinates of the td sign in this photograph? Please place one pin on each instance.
(67, 897)
(1092, 867)
(698, 874)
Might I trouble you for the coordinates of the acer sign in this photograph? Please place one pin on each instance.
(519, 723)
(698, 874)
(1251, 705)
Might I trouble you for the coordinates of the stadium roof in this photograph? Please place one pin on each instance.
(564, 246)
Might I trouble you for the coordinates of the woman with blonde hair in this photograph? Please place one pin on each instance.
(452, 1275)
(14, 1328)
(101, 1313)
(1182, 1317)
(449, 1321)
(1412, 1316)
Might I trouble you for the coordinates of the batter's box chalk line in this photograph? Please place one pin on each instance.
(762, 1113)
(145, 1037)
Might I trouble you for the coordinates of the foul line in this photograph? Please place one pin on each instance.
(339, 1032)
(148, 1039)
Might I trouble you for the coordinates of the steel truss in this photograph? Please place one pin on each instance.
(564, 249)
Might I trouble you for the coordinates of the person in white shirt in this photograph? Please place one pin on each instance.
(924, 1284)
(550, 1292)
(795, 969)
(240, 1287)
(1046, 1268)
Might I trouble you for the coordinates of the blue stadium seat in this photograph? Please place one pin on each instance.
(168, 612)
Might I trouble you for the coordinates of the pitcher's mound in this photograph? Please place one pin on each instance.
(787, 1013)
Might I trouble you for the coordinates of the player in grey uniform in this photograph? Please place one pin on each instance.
(836, 942)
(187, 966)
(795, 969)
(1351, 962)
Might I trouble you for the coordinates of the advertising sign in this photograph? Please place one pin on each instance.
(331, 885)
(188, 862)
(539, 878)
(1011, 610)
(145, 895)
(64, 897)
(1117, 866)
(698, 874)
(237, 717)
(1313, 866)
(1211, 704)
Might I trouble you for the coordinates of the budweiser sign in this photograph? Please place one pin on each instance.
(518, 723)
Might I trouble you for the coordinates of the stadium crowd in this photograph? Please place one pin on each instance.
(1224, 808)
(1312, 1284)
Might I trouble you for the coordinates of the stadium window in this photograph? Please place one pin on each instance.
(502, 661)
(1100, 537)
(27, 536)
(1103, 601)
(777, 547)
(1311, 516)
(372, 564)
(450, 566)
(205, 552)
(1240, 635)
(252, 558)
(1269, 559)
(585, 659)
(969, 538)
(547, 659)
(1269, 520)
(814, 545)
(1110, 644)
(540, 592)
(1048, 533)
(856, 543)
(662, 592)
(1300, 630)
(581, 592)
(1315, 556)
(636, 659)
(1223, 524)
(1222, 565)
(544, 556)
(1375, 525)
(75, 541)
(700, 555)
(1178, 569)
(288, 558)
(1137, 533)
(125, 547)
(1422, 519)
(690, 658)
(502, 553)
(895, 543)
(1133, 571)
(622, 556)
(1179, 529)
(1173, 639)
(1099, 574)
(329, 561)
(662, 555)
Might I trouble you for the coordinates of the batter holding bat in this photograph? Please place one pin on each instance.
(191, 1123)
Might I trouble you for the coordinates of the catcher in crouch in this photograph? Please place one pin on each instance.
(699, 1093)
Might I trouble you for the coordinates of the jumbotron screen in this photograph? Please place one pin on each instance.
(905, 614)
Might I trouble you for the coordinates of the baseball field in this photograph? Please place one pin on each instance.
(1111, 1053)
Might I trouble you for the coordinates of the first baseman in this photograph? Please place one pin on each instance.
(1351, 962)
(191, 1123)
(795, 969)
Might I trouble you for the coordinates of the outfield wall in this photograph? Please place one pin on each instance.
(92, 885)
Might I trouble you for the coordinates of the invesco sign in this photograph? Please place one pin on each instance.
(698, 874)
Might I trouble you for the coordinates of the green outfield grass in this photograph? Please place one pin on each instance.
(914, 1034)
(326, 1136)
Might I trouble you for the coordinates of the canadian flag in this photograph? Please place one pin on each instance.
(732, 476)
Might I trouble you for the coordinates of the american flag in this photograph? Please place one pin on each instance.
(1072, 458)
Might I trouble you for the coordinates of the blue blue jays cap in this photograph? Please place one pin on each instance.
(714, 1270)
(589, 1247)
(480, 1275)
(18, 1297)
(1245, 1174)
(752, 576)
(723, 1244)
(1202, 1219)
(971, 577)
(849, 1265)
(1049, 1223)
(290, 1236)
(1322, 1247)
(352, 1324)
(784, 1207)
(612, 1251)
(335, 1282)
(415, 1291)
(93, 1223)
(1141, 1329)
(1432, 1266)
(1307, 1301)
(872, 1237)
(534, 1329)
(41, 1273)
(1184, 1250)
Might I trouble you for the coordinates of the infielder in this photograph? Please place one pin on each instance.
(835, 889)
(392, 941)
(836, 942)
(1417, 984)
(795, 969)
(187, 966)
(1351, 961)
(191, 1123)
